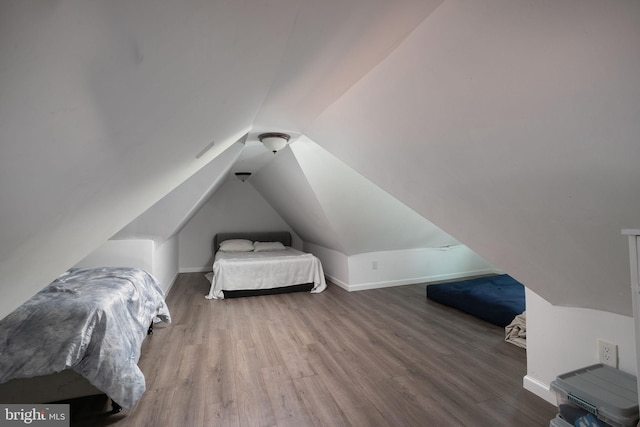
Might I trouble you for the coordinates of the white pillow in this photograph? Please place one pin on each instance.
(236, 245)
(268, 246)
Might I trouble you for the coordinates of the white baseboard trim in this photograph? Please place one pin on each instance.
(379, 285)
(416, 280)
(166, 291)
(173, 281)
(194, 270)
(539, 388)
(337, 282)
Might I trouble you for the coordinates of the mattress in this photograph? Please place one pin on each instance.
(496, 299)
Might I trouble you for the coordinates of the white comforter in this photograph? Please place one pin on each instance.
(264, 270)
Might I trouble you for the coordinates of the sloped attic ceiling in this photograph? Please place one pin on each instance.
(105, 104)
(104, 108)
(512, 125)
(166, 217)
(330, 205)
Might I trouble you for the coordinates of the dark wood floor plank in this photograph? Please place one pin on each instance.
(384, 357)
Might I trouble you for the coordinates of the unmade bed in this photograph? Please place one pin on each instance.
(259, 263)
(497, 299)
(83, 331)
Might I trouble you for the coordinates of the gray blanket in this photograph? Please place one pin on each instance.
(90, 320)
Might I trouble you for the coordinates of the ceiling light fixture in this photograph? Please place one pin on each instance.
(243, 176)
(274, 141)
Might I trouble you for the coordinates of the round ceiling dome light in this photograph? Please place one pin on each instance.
(274, 141)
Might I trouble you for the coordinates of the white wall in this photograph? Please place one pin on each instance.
(165, 263)
(362, 217)
(284, 184)
(335, 264)
(159, 260)
(562, 339)
(136, 253)
(394, 268)
(236, 206)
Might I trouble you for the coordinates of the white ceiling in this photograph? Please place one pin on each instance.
(511, 125)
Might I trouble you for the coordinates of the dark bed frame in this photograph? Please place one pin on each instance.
(59, 387)
(260, 236)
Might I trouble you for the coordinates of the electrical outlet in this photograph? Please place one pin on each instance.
(608, 353)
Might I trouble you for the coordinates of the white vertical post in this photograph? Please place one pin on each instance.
(634, 237)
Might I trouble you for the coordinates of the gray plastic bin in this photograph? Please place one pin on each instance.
(602, 391)
(559, 422)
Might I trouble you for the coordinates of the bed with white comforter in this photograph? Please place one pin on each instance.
(270, 269)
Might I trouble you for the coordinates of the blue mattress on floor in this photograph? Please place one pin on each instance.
(496, 299)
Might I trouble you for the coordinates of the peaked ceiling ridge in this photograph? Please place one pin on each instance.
(378, 34)
(281, 63)
(320, 66)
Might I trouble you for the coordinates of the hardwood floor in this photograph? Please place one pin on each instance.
(386, 357)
